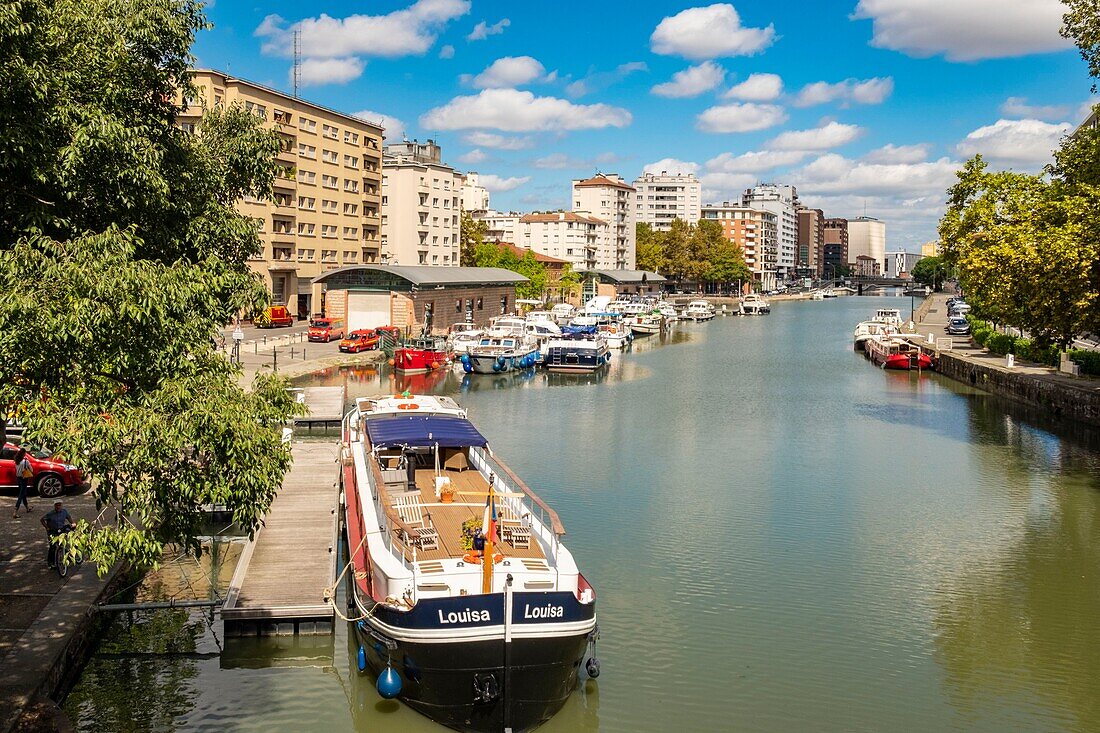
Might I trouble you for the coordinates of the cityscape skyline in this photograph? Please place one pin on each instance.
(835, 99)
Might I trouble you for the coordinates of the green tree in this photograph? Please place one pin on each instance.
(727, 263)
(1081, 23)
(677, 253)
(930, 271)
(120, 256)
(649, 248)
(472, 233)
(570, 280)
(535, 272)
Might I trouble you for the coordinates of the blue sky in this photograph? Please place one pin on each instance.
(865, 105)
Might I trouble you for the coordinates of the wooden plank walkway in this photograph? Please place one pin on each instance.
(326, 407)
(280, 578)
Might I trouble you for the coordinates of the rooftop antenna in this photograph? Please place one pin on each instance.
(297, 73)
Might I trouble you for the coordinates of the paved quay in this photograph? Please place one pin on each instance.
(42, 616)
(291, 355)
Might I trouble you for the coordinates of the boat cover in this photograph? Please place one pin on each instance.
(424, 431)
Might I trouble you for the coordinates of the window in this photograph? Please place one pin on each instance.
(329, 156)
(307, 125)
(305, 254)
(503, 304)
(328, 231)
(305, 230)
(351, 161)
(281, 117)
(329, 131)
(258, 110)
(351, 256)
(479, 303)
(435, 203)
(351, 232)
(329, 181)
(351, 185)
(458, 305)
(307, 151)
(188, 127)
(351, 137)
(351, 208)
(328, 255)
(305, 202)
(329, 206)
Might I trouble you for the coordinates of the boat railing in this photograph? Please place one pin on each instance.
(395, 531)
(532, 504)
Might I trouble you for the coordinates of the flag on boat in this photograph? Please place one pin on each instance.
(489, 521)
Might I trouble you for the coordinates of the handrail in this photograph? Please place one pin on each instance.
(555, 522)
(387, 510)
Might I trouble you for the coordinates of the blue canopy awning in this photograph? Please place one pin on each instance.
(424, 431)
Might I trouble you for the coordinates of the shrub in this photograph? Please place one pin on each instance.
(1000, 343)
(1089, 361)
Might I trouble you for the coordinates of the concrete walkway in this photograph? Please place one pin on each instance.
(292, 357)
(40, 614)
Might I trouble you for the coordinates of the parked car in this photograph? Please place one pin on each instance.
(958, 326)
(365, 339)
(52, 476)
(958, 310)
(326, 329)
(275, 316)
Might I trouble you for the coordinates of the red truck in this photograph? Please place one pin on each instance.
(275, 316)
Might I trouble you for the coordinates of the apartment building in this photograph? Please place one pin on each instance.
(475, 197)
(421, 206)
(584, 241)
(866, 238)
(931, 249)
(662, 197)
(756, 231)
(811, 239)
(783, 202)
(499, 226)
(324, 212)
(608, 197)
(835, 248)
(900, 264)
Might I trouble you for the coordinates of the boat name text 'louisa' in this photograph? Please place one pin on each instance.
(463, 617)
(547, 611)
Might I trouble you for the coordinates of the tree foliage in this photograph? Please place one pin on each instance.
(1081, 23)
(120, 256)
(493, 254)
(699, 253)
(472, 233)
(930, 271)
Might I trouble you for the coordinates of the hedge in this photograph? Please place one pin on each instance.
(1002, 343)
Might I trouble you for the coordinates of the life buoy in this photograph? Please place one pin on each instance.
(473, 558)
(403, 396)
(408, 406)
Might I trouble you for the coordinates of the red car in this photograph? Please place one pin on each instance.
(52, 477)
(326, 329)
(364, 339)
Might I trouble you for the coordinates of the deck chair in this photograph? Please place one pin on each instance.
(411, 511)
(513, 530)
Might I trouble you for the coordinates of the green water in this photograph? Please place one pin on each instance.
(781, 536)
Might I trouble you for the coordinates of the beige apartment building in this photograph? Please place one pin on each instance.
(475, 197)
(610, 198)
(661, 198)
(325, 211)
(756, 231)
(811, 240)
(421, 207)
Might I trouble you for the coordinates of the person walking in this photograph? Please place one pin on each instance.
(23, 474)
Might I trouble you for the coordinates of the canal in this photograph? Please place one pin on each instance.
(782, 537)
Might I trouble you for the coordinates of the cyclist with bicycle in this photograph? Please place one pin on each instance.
(56, 522)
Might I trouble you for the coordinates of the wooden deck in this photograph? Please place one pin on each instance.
(280, 578)
(447, 519)
(326, 407)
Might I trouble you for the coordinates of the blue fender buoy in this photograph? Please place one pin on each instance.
(361, 659)
(500, 361)
(466, 367)
(389, 683)
(465, 358)
(592, 667)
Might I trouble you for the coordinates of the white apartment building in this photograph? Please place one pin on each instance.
(610, 198)
(421, 206)
(756, 231)
(585, 241)
(866, 238)
(662, 197)
(475, 197)
(899, 263)
(499, 226)
(783, 202)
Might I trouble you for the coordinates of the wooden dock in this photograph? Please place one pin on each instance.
(280, 579)
(326, 407)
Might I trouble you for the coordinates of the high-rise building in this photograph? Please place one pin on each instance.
(662, 197)
(834, 250)
(475, 197)
(783, 202)
(421, 206)
(900, 264)
(755, 231)
(811, 239)
(866, 238)
(610, 198)
(324, 211)
(930, 249)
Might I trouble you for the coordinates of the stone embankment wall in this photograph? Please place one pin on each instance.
(1056, 396)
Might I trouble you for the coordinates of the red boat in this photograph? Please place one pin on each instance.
(421, 355)
(892, 352)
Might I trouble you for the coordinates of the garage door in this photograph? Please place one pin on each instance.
(368, 310)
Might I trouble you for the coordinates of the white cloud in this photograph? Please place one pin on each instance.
(868, 91)
(707, 33)
(757, 88)
(1021, 143)
(965, 30)
(316, 72)
(409, 31)
(599, 80)
(692, 81)
(509, 71)
(496, 184)
(754, 162)
(745, 117)
(447, 52)
(474, 157)
(726, 186)
(672, 166)
(835, 174)
(828, 136)
(1019, 108)
(394, 127)
(483, 30)
(560, 161)
(891, 153)
(497, 142)
(513, 110)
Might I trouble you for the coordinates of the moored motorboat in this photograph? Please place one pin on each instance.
(753, 305)
(462, 336)
(646, 324)
(477, 640)
(867, 329)
(563, 313)
(577, 356)
(699, 310)
(496, 354)
(896, 352)
(421, 354)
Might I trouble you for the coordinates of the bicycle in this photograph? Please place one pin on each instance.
(59, 560)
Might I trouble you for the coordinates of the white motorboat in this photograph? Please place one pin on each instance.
(462, 336)
(563, 313)
(648, 323)
(577, 356)
(699, 310)
(753, 305)
(494, 354)
(668, 310)
(866, 330)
